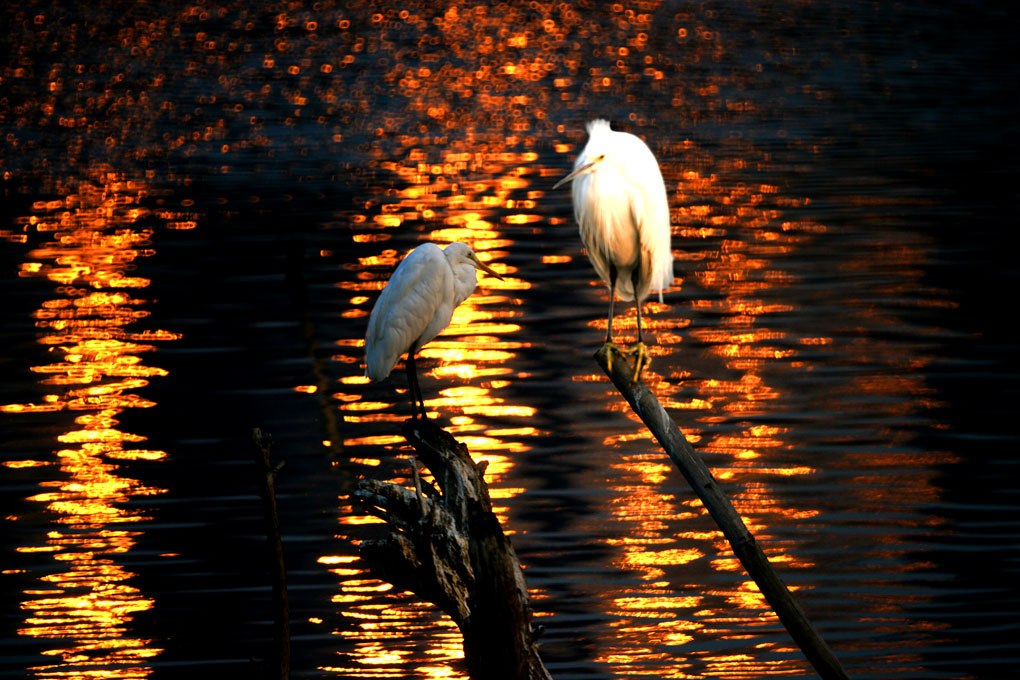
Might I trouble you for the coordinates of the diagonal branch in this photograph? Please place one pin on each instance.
(648, 408)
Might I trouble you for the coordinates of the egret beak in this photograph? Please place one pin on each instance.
(484, 267)
(577, 171)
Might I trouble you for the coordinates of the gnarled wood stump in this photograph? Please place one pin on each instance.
(446, 546)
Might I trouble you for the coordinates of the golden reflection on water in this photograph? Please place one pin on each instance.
(656, 618)
(476, 188)
(742, 279)
(454, 105)
(471, 361)
(455, 100)
(86, 607)
(465, 374)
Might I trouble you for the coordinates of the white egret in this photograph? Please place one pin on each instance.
(416, 304)
(621, 210)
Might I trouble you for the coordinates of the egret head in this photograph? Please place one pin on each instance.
(595, 153)
(461, 253)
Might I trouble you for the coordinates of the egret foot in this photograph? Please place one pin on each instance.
(607, 349)
(641, 358)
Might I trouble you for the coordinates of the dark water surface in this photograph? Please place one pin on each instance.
(202, 201)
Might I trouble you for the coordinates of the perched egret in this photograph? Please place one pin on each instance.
(416, 304)
(623, 216)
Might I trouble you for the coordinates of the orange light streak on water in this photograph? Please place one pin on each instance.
(87, 607)
(465, 373)
(654, 542)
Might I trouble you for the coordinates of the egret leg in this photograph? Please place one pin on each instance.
(411, 379)
(640, 352)
(412, 385)
(608, 346)
(641, 360)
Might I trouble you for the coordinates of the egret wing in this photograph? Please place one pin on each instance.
(650, 214)
(587, 213)
(604, 220)
(405, 308)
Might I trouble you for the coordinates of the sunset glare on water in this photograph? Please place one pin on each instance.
(202, 202)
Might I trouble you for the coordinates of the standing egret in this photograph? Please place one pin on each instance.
(416, 304)
(623, 216)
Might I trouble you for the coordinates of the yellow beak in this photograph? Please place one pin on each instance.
(484, 267)
(577, 171)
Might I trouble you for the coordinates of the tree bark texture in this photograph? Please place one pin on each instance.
(445, 545)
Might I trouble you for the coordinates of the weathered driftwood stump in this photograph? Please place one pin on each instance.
(446, 546)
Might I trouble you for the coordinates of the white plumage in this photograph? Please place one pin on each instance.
(416, 304)
(623, 216)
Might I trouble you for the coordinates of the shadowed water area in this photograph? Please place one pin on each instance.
(201, 203)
